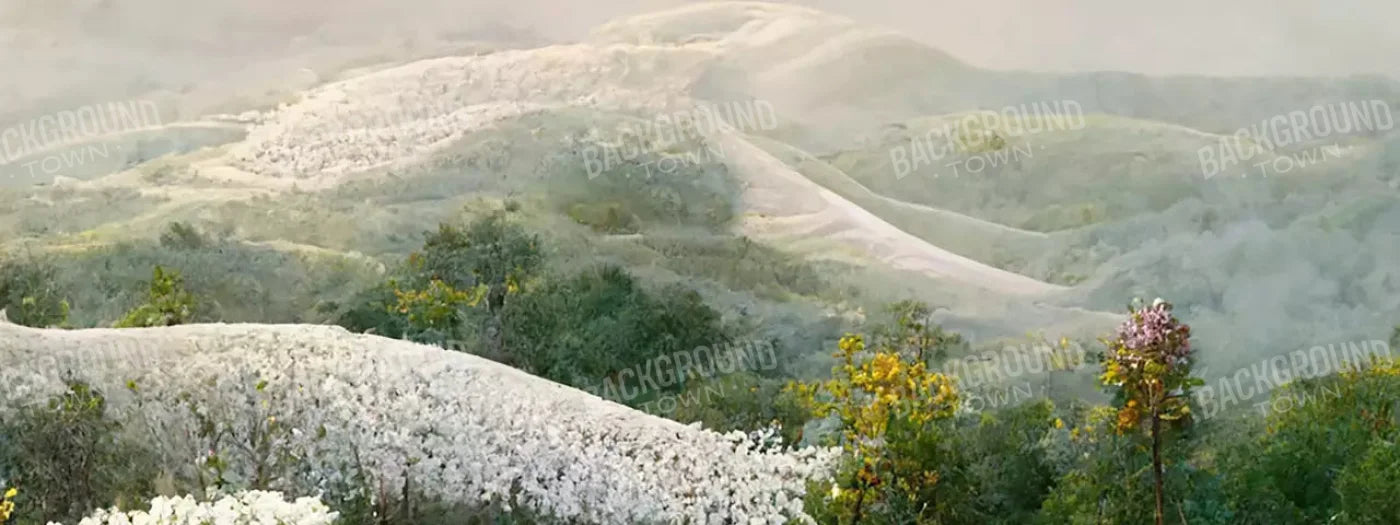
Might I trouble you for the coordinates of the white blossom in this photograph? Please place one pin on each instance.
(244, 508)
(460, 427)
(402, 113)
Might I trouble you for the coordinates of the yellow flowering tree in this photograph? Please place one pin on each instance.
(435, 308)
(876, 394)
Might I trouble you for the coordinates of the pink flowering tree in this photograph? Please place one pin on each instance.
(1149, 364)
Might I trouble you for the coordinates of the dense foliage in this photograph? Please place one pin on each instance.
(1328, 457)
(167, 303)
(913, 451)
(480, 288)
(29, 296)
(70, 456)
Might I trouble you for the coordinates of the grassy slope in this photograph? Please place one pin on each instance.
(968, 236)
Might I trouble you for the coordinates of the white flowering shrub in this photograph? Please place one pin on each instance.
(244, 508)
(458, 428)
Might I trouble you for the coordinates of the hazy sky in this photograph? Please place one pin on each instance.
(1214, 37)
(1217, 37)
(56, 51)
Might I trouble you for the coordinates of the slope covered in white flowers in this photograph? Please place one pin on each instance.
(667, 61)
(398, 114)
(464, 428)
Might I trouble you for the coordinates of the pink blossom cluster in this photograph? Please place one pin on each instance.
(1152, 332)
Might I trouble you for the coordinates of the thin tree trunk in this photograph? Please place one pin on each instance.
(1157, 462)
(860, 498)
(407, 498)
(495, 303)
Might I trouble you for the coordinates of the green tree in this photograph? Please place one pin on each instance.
(167, 303)
(1104, 477)
(1003, 473)
(1319, 455)
(583, 330)
(374, 310)
(911, 332)
(491, 252)
(182, 236)
(741, 401)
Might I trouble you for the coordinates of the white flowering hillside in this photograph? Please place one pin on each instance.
(456, 426)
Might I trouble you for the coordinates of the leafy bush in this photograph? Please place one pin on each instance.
(999, 470)
(433, 295)
(492, 254)
(30, 296)
(490, 251)
(741, 401)
(1317, 459)
(889, 405)
(604, 217)
(1366, 488)
(182, 236)
(372, 311)
(70, 457)
(434, 314)
(167, 303)
(584, 329)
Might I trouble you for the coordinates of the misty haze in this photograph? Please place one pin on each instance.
(658, 261)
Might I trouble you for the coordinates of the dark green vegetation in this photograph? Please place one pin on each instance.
(481, 287)
(1327, 456)
(491, 285)
(70, 457)
(29, 295)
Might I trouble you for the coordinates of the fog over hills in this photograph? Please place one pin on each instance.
(840, 92)
(836, 151)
